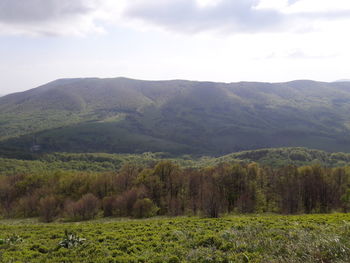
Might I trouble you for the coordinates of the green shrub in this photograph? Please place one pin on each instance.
(71, 240)
(144, 208)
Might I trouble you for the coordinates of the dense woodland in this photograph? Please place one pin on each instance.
(167, 188)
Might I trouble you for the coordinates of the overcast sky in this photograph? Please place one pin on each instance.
(217, 40)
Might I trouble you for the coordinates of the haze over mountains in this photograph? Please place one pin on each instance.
(122, 115)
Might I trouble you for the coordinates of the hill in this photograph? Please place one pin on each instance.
(104, 162)
(133, 116)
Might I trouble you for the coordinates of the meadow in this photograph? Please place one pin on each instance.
(243, 238)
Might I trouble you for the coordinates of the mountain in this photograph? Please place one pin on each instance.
(121, 115)
(343, 80)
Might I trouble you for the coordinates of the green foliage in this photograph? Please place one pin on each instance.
(103, 162)
(278, 157)
(263, 239)
(11, 240)
(144, 208)
(167, 188)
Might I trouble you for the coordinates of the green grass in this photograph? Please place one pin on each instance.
(266, 238)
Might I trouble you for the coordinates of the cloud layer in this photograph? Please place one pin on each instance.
(232, 16)
(74, 17)
(189, 16)
(49, 17)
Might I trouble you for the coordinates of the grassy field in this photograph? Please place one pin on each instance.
(267, 238)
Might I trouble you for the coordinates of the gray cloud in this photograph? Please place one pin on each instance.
(187, 15)
(227, 16)
(32, 11)
(47, 17)
(57, 17)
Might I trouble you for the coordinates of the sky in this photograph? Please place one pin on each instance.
(209, 40)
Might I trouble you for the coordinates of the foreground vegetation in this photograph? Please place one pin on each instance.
(268, 238)
(103, 191)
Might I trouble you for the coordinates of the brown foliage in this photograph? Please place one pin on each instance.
(28, 206)
(48, 208)
(83, 209)
(108, 205)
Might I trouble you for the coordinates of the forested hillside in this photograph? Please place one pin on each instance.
(132, 116)
(104, 162)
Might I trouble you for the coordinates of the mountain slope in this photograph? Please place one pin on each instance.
(127, 116)
(105, 162)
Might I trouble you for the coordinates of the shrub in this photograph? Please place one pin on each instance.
(144, 208)
(108, 205)
(71, 240)
(123, 205)
(48, 208)
(83, 209)
(28, 206)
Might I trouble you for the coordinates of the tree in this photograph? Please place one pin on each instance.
(144, 208)
(49, 208)
(83, 209)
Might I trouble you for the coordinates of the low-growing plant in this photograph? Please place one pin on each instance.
(248, 238)
(11, 240)
(71, 240)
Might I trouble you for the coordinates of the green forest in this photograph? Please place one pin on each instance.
(81, 187)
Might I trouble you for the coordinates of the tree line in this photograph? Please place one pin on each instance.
(169, 189)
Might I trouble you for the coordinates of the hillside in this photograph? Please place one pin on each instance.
(132, 116)
(104, 162)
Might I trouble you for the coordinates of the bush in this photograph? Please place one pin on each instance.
(108, 205)
(71, 240)
(28, 206)
(84, 209)
(144, 208)
(48, 208)
(123, 205)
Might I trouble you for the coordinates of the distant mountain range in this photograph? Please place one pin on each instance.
(343, 80)
(123, 115)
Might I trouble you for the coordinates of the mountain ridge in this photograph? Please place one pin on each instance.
(132, 116)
